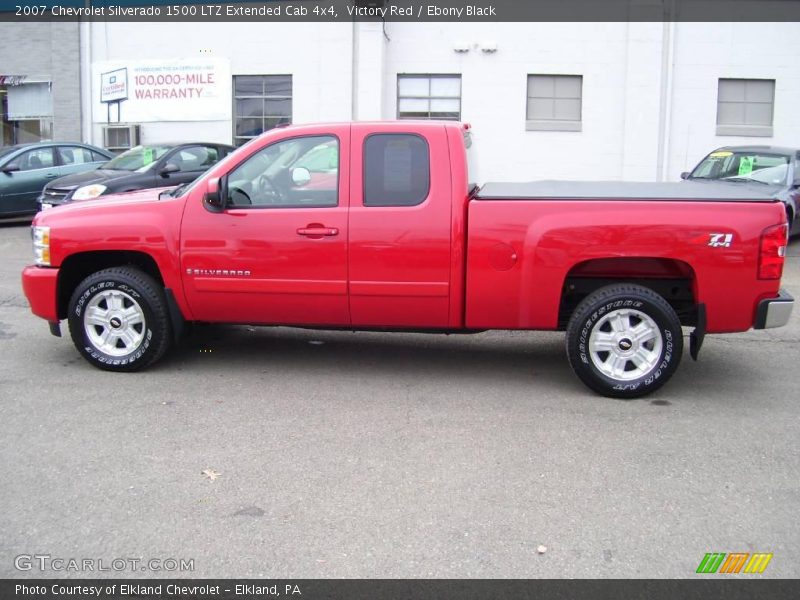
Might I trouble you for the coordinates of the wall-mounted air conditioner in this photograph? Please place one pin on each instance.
(119, 138)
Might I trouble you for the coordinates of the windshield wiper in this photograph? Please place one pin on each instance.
(173, 192)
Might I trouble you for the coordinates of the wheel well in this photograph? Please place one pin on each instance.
(77, 267)
(674, 280)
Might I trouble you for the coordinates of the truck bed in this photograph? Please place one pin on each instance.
(617, 190)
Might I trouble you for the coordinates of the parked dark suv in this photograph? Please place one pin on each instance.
(146, 166)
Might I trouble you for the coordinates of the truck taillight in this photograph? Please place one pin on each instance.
(772, 252)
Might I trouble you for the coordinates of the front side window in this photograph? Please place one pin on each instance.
(396, 170)
(554, 102)
(429, 97)
(260, 103)
(41, 158)
(745, 107)
(299, 172)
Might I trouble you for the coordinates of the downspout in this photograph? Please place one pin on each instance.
(665, 110)
(354, 73)
(86, 80)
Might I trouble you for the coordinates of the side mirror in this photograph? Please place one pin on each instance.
(685, 175)
(300, 176)
(168, 168)
(11, 167)
(214, 197)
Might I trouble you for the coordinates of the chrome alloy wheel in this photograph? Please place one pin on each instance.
(625, 344)
(114, 323)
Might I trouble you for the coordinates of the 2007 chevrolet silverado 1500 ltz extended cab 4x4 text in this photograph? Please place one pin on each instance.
(373, 226)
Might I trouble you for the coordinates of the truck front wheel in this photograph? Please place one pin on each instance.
(118, 319)
(624, 341)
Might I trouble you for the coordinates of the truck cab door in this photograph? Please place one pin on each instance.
(400, 227)
(276, 253)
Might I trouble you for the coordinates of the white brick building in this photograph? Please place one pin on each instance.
(636, 101)
(40, 92)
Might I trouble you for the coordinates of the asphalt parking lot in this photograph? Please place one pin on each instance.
(391, 455)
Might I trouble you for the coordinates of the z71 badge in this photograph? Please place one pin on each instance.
(720, 240)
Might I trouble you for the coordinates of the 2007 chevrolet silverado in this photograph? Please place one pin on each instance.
(374, 226)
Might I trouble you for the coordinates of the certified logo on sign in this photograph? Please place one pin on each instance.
(114, 85)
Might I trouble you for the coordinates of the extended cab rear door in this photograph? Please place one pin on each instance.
(400, 226)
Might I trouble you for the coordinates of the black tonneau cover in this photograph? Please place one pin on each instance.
(626, 190)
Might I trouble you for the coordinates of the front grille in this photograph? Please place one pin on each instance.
(55, 195)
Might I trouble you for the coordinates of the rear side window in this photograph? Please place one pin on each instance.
(74, 155)
(396, 170)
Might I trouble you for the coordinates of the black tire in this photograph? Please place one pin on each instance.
(130, 312)
(643, 335)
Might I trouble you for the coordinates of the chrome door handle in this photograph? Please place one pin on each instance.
(318, 231)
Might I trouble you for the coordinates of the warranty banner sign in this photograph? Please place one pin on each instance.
(169, 90)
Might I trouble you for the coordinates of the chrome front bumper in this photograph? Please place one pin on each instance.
(774, 312)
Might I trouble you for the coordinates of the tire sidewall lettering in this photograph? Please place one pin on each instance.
(588, 324)
(93, 352)
(103, 358)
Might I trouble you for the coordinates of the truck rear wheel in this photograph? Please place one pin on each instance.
(118, 319)
(624, 341)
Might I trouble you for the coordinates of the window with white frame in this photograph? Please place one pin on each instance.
(745, 107)
(429, 97)
(27, 113)
(260, 102)
(554, 102)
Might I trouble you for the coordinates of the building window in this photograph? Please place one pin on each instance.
(429, 97)
(260, 103)
(745, 107)
(554, 102)
(27, 110)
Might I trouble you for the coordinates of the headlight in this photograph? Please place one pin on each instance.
(88, 191)
(41, 245)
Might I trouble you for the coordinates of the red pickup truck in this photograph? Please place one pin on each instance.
(374, 226)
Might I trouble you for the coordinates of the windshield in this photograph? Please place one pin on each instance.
(727, 165)
(138, 158)
(7, 150)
